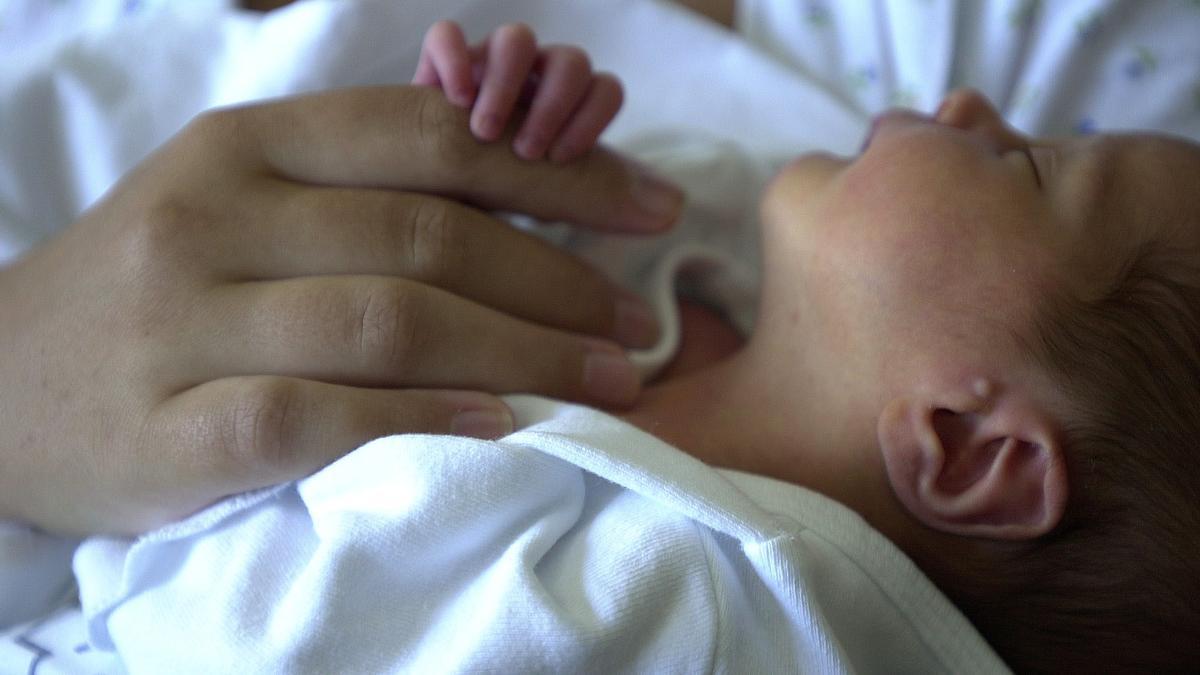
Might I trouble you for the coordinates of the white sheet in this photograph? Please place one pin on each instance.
(1053, 67)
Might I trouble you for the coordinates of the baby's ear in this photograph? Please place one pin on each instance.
(975, 462)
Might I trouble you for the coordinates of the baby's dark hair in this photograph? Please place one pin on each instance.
(1116, 586)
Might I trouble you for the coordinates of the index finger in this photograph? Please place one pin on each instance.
(412, 138)
(445, 61)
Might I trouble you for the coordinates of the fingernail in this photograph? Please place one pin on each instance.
(464, 96)
(487, 126)
(527, 147)
(608, 376)
(485, 424)
(656, 196)
(635, 325)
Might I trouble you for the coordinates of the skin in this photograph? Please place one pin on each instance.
(555, 80)
(567, 105)
(719, 11)
(917, 264)
(265, 5)
(282, 282)
(892, 281)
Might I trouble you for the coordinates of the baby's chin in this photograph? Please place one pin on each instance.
(799, 183)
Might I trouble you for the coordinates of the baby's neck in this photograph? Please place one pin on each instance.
(753, 409)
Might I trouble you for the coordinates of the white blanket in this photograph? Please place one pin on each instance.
(78, 111)
(579, 544)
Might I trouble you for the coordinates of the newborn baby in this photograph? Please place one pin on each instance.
(985, 344)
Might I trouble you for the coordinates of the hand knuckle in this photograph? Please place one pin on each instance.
(433, 245)
(441, 137)
(159, 238)
(166, 221)
(220, 127)
(258, 425)
(387, 326)
(209, 125)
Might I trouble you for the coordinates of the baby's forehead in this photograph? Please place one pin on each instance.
(1147, 186)
(1160, 170)
(1124, 196)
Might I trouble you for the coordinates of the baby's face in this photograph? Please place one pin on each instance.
(945, 229)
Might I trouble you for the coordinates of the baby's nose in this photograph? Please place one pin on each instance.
(964, 108)
(970, 110)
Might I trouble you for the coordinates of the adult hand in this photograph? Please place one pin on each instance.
(279, 284)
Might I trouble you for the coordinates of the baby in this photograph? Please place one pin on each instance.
(985, 344)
